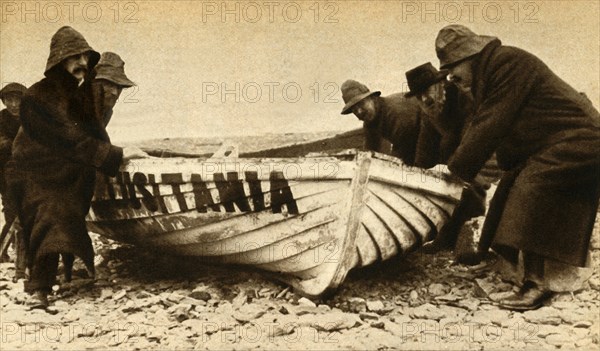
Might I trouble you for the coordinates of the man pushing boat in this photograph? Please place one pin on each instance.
(417, 138)
(55, 155)
(547, 138)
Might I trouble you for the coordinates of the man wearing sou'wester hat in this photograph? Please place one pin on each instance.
(53, 155)
(547, 137)
(100, 97)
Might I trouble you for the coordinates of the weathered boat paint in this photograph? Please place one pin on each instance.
(307, 220)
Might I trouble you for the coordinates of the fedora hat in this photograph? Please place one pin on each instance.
(422, 77)
(112, 68)
(456, 43)
(12, 89)
(353, 92)
(67, 42)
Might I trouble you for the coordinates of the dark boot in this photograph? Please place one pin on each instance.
(530, 297)
(38, 300)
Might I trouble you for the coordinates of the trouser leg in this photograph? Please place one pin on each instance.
(43, 273)
(20, 251)
(533, 267)
(6, 236)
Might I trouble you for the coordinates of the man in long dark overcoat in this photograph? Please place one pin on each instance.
(53, 157)
(547, 136)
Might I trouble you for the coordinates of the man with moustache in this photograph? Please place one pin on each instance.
(11, 96)
(54, 157)
(546, 136)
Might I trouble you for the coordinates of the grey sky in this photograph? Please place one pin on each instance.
(287, 57)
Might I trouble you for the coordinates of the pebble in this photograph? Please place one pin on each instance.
(306, 302)
(437, 289)
(427, 311)
(469, 303)
(543, 315)
(378, 325)
(119, 295)
(248, 313)
(594, 283)
(375, 306)
(558, 339)
(368, 316)
(414, 295)
(200, 295)
(582, 324)
(584, 342)
(357, 304)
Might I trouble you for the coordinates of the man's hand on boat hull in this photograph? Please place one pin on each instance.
(132, 152)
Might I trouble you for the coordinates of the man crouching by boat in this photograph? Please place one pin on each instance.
(547, 138)
(417, 139)
(449, 109)
(395, 119)
(53, 156)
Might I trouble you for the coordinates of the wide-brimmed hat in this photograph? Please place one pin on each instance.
(422, 77)
(353, 92)
(456, 43)
(68, 42)
(13, 89)
(112, 68)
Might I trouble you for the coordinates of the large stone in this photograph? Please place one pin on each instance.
(427, 311)
(366, 316)
(486, 317)
(119, 295)
(239, 300)
(574, 316)
(375, 306)
(248, 313)
(200, 295)
(543, 315)
(437, 289)
(357, 304)
(469, 303)
(333, 321)
(558, 339)
(306, 302)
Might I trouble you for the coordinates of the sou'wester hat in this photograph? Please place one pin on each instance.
(67, 42)
(112, 68)
(456, 43)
